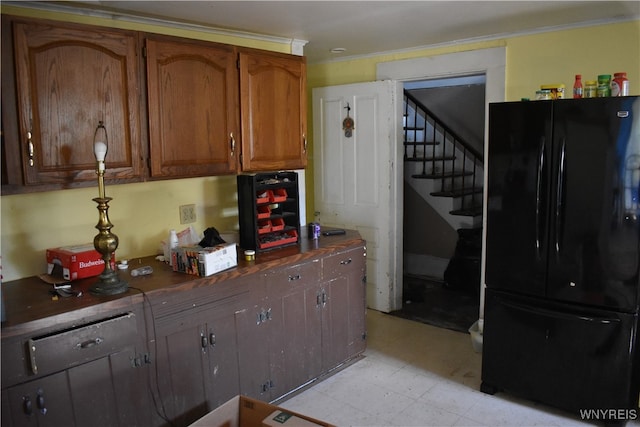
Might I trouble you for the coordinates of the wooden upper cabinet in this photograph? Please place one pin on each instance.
(273, 111)
(68, 79)
(193, 113)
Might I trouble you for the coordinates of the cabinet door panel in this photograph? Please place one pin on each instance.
(335, 325)
(182, 370)
(193, 95)
(54, 392)
(102, 391)
(253, 356)
(224, 381)
(273, 111)
(69, 79)
(344, 314)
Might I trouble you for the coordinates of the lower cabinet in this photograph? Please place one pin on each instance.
(307, 319)
(344, 306)
(86, 375)
(184, 352)
(196, 367)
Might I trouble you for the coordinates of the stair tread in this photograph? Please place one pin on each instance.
(473, 211)
(457, 192)
(441, 175)
(429, 159)
(418, 143)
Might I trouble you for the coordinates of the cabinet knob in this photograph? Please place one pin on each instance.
(212, 339)
(346, 261)
(294, 277)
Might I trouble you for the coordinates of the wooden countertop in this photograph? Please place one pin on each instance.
(29, 305)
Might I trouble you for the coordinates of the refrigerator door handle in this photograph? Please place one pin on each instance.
(539, 195)
(560, 197)
(565, 315)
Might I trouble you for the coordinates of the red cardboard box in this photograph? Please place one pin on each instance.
(78, 261)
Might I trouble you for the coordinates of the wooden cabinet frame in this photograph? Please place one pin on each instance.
(211, 109)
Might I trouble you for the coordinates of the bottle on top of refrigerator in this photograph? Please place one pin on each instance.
(590, 89)
(604, 86)
(577, 87)
(620, 85)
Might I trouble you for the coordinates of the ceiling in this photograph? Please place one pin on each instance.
(369, 27)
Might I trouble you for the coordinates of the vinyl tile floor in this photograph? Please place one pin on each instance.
(415, 374)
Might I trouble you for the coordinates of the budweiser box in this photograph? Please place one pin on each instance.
(201, 261)
(77, 261)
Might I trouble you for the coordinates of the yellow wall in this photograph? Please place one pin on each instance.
(143, 213)
(532, 60)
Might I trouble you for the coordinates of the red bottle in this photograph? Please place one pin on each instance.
(577, 87)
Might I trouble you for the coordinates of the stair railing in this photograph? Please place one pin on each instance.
(471, 159)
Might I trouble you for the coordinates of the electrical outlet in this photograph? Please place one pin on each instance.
(187, 214)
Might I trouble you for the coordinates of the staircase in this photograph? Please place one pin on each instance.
(441, 166)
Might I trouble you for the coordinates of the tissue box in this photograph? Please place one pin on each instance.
(201, 261)
(77, 261)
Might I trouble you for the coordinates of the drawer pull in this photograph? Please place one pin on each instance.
(204, 342)
(233, 144)
(40, 402)
(90, 343)
(30, 148)
(346, 261)
(212, 339)
(295, 277)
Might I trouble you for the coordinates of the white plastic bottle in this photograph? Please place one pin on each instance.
(173, 243)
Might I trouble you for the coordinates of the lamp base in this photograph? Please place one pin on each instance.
(109, 284)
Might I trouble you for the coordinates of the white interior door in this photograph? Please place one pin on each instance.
(358, 178)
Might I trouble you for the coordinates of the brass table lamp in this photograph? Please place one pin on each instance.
(105, 241)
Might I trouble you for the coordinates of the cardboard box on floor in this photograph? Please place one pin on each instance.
(242, 411)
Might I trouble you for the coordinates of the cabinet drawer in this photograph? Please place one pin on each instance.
(61, 350)
(340, 263)
(297, 275)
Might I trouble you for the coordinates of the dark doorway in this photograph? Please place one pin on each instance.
(431, 236)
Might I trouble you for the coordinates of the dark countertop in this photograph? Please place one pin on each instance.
(29, 305)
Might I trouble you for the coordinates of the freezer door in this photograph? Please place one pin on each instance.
(517, 209)
(594, 255)
(559, 355)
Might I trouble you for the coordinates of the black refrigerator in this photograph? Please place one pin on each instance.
(563, 255)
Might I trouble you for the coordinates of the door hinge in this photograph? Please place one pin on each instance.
(144, 51)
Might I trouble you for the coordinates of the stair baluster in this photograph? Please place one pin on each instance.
(460, 180)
